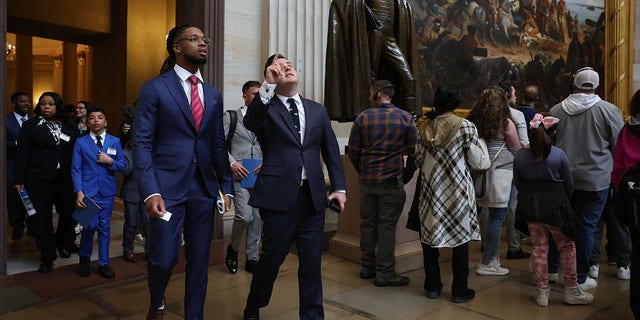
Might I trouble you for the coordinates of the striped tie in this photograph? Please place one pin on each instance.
(197, 110)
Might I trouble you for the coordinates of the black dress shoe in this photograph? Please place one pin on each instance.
(45, 268)
(250, 265)
(129, 256)
(251, 314)
(106, 272)
(84, 269)
(464, 298)
(231, 260)
(433, 294)
(72, 247)
(62, 251)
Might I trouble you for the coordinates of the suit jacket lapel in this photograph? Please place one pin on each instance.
(286, 116)
(174, 86)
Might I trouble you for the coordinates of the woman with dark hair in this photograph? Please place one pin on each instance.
(43, 169)
(491, 116)
(80, 120)
(625, 157)
(544, 182)
(447, 210)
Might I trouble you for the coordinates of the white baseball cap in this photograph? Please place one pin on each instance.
(586, 79)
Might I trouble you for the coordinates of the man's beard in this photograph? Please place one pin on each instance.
(196, 60)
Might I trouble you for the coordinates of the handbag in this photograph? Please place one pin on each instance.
(481, 179)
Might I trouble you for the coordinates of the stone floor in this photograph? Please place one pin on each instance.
(62, 294)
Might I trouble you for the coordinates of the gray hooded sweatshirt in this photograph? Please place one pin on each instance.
(587, 133)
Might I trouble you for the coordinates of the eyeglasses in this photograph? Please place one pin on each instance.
(194, 40)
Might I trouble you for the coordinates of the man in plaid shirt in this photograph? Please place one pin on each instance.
(380, 138)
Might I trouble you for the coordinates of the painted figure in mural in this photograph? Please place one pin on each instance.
(369, 40)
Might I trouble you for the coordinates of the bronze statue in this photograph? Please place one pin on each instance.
(369, 40)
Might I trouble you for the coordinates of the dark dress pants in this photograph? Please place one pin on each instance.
(305, 226)
(195, 215)
(459, 267)
(44, 195)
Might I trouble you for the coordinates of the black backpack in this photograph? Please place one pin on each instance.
(629, 198)
(233, 122)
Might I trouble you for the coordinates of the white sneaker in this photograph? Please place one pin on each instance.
(491, 269)
(624, 273)
(576, 295)
(594, 271)
(139, 237)
(542, 296)
(588, 284)
(552, 277)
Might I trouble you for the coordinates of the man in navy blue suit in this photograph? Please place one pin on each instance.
(21, 104)
(181, 164)
(290, 190)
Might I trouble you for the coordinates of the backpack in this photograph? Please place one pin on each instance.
(233, 122)
(629, 198)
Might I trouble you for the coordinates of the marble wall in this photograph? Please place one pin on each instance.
(255, 29)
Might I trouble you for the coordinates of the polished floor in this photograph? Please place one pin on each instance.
(63, 294)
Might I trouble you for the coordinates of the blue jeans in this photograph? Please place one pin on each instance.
(588, 206)
(491, 234)
(617, 237)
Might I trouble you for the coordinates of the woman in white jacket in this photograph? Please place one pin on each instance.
(447, 208)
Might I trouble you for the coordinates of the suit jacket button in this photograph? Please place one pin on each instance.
(194, 161)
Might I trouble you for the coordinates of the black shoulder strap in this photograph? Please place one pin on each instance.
(233, 121)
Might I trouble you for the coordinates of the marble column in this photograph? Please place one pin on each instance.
(298, 30)
(69, 73)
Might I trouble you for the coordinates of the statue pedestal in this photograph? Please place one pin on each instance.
(346, 242)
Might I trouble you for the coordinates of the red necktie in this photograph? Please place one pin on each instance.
(197, 110)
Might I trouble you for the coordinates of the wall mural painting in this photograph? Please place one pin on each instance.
(473, 44)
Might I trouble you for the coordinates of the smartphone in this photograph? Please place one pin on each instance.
(334, 205)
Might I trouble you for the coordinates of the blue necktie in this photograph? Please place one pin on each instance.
(293, 111)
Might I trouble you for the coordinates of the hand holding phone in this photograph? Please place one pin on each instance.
(335, 205)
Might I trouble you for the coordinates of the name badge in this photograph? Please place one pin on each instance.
(111, 151)
(64, 137)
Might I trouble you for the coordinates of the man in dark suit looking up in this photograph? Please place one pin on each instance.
(181, 164)
(21, 104)
(290, 189)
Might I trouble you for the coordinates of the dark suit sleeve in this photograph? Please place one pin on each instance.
(223, 171)
(143, 136)
(22, 153)
(331, 155)
(76, 166)
(12, 145)
(256, 115)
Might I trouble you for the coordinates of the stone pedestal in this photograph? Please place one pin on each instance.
(346, 242)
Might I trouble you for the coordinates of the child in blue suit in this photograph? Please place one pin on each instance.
(96, 158)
